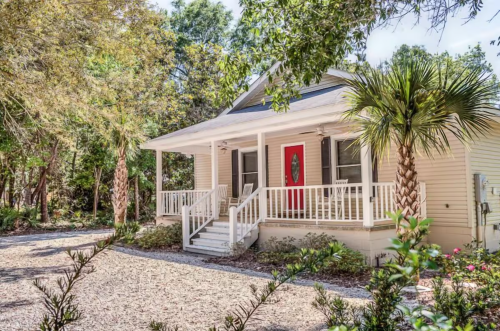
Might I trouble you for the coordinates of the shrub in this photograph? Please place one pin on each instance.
(161, 237)
(127, 231)
(350, 262)
(316, 241)
(336, 310)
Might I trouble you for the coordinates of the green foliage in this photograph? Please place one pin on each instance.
(127, 231)
(336, 310)
(60, 304)
(351, 262)
(161, 237)
(10, 218)
(316, 241)
(433, 99)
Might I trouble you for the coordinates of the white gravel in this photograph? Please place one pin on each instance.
(131, 288)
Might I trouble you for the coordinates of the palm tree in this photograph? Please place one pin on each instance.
(415, 105)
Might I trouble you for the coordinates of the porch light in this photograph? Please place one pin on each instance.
(320, 131)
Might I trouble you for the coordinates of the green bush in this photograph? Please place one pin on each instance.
(127, 231)
(161, 237)
(9, 217)
(316, 241)
(351, 262)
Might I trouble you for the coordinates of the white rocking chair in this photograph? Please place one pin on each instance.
(334, 199)
(223, 207)
(247, 191)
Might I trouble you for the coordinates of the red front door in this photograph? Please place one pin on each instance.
(294, 176)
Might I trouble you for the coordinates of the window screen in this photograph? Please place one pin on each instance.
(249, 167)
(348, 161)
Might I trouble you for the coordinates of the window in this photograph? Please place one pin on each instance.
(348, 161)
(249, 169)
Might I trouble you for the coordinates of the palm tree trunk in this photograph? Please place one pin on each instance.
(44, 210)
(120, 188)
(407, 183)
(12, 182)
(97, 175)
(136, 197)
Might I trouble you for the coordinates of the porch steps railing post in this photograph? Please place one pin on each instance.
(185, 227)
(233, 226)
(367, 187)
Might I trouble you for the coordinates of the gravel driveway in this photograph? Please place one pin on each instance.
(130, 288)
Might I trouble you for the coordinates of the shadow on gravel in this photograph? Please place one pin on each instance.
(18, 274)
(30, 240)
(49, 250)
(14, 304)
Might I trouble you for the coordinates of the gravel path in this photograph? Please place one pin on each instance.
(130, 288)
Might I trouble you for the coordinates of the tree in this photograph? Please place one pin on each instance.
(414, 105)
(309, 37)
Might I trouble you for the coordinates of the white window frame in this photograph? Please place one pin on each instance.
(303, 144)
(334, 159)
(242, 151)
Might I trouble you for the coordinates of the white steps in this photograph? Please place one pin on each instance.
(215, 239)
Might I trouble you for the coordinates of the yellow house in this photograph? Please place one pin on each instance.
(259, 174)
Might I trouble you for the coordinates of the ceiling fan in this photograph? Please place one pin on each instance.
(320, 132)
(224, 147)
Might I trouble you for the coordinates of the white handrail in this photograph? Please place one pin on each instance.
(197, 216)
(244, 218)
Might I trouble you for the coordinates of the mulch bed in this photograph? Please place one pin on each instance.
(248, 260)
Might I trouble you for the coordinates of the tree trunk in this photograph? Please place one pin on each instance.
(12, 191)
(407, 183)
(97, 175)
(136, 198)
(120, 188)
(27, 190)
(44, 210)
(45, 170)
(73, 164)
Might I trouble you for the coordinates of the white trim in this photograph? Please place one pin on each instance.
(282, 171)
(333, 145)
(242, 151)
(214, 151)
(159, 182)
(282, 121)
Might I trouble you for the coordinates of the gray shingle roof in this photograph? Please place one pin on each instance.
(324, 97)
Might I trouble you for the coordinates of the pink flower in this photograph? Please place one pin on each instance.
(448, 256)
(485, 268)
(456, 250)
(470, 267)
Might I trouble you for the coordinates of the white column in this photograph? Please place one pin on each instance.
(159, 183)
(261, 169)
(366, 178)
(214, 151)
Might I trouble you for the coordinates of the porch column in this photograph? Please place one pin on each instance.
(159, 183)
(261, 173)
(214, 152)
(366, 178)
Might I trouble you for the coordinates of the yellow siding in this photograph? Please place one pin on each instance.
(445, 178)
(485, 159)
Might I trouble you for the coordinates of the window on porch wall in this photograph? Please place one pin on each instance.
(249, 169)
(348, 165)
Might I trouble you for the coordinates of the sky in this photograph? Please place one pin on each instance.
(457, 36)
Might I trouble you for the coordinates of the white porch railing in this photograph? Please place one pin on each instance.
(246, 217)
(197, 216)
(171, 202)
(383, 200)
(340, 202)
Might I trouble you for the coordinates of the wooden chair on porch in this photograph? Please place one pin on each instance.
(333, 199)
(247, 191)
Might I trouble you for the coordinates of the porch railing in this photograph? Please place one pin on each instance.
(383, 200)
(339, 202)
(197, 216)
(171, 202)
(244, 218)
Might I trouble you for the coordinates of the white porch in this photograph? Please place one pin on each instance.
(210, 227)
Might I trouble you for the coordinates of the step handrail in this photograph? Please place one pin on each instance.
(202, 220)
(255, 217)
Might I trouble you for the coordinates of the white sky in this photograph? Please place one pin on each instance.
(455, 39)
